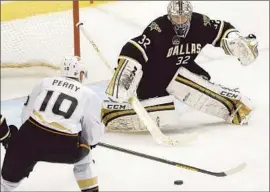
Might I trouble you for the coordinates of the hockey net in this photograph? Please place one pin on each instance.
(37, 34)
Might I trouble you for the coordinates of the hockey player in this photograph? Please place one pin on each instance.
(159, 65)
(61, 123)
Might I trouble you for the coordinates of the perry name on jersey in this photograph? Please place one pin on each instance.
(65, 84)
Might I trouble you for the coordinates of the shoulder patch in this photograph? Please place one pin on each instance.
(154, 26)
(206, 20)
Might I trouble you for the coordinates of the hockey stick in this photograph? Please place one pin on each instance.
(157, 135)
(231, 171)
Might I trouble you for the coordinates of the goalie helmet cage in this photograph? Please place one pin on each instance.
(38, 34)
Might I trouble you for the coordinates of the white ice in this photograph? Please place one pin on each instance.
(219, 146)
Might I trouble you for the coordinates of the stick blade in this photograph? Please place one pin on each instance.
(236, 169)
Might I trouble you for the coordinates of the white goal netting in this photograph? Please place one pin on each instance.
(31, 39)
(35, 36)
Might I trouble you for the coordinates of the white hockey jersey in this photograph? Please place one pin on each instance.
(65, 105)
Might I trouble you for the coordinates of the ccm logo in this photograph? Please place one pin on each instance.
(230, 95)
(117, 107)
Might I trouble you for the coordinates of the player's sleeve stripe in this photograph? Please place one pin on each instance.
(219, 33)
(225, 47)
(226, 33)
(128, 58)
(5, 136)
(140, 49)
(229, 31)
(2, 120)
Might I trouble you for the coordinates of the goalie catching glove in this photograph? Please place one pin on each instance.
(244, 48)
(125, 80)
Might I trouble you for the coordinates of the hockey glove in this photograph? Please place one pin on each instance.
(244, 48)
(12, 131)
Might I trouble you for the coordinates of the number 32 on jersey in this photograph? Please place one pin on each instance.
(145, 41)
(182, 60)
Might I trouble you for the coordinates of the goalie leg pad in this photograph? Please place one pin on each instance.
(120, 117)
(210, 98)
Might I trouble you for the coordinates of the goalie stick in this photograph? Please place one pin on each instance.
(231, 171)
(157, 135)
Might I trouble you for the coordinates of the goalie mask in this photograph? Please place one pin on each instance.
(179, 13)
(73, 68)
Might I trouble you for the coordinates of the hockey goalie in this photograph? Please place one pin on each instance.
(158, 67)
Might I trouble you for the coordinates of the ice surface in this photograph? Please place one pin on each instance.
(219, 146)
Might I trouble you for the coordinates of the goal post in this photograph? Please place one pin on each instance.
(76, 19)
